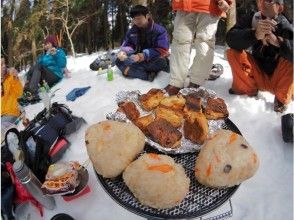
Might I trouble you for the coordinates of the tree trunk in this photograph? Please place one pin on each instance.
(70, 41)
(34, 49)
(10, 43)
(89, 38)
(10, 33)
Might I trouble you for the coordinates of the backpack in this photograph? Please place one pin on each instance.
(103, 61)
(43, 141)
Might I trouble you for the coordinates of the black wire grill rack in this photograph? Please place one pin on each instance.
(199, 201)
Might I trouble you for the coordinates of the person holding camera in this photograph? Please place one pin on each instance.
(268, 65)
(49, 68)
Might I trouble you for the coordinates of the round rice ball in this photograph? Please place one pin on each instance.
(113, 145)
(157, 181)
(225, 160)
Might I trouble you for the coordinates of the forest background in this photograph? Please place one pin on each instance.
(87, 26)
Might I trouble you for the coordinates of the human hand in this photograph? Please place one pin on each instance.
(52, 51)
(272, 39)
(135, 57)
(13, 72)
(264, 27)
(122, 55)
(223, 5)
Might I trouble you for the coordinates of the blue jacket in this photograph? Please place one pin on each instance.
(55, 63)
(152, 41)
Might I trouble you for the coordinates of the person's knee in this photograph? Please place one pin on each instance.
(117, 62)
(136, 73)
(180, 38)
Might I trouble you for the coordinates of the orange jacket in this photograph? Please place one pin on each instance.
(12, 90)
(206, 6)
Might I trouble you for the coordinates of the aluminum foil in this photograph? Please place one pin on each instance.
(186, 145)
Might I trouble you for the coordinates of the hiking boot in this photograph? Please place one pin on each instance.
(279, 106)
(172, 90)
(287, 127)
(193, 85)
(232, 92)
(28, 98)
(151, 76)
(216, 71)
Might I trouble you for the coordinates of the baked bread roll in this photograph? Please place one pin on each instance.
(113, 145)
(225, 160)
(130, 110)
(162, 132)
(196, 127)
(193, 104)
(143, 122)
(172, 116)
(216, 108)
(151, 99)
(157, 181)
(175, 102)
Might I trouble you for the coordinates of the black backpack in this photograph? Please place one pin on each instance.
(43, 133)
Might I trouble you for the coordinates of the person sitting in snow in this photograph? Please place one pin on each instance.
(269, 64)
(49, 68)
(145, 48)
(11, 90)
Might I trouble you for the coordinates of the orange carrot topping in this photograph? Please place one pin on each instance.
(233, 137)
(208, 170)
(154, 156)
(106, 127)
(165, 168)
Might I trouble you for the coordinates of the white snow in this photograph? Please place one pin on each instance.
(267, 195)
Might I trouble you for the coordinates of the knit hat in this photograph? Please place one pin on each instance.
(51, 39)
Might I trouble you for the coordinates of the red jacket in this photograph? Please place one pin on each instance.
(206, 6)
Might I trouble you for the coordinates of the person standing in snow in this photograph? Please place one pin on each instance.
(196, 22)
(49, 68)
(11, 90)
(145, 48)
(268, 66)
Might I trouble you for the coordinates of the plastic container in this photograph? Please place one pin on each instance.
(27, 210)
(109, 73)
(45, 98)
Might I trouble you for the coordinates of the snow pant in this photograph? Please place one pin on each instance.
(197, 29)
(141, 70)
(248, 78)
(36, 75)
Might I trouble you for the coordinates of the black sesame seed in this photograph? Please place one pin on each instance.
(244, 146)
(227, 168)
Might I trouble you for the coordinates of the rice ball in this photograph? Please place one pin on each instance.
(157, 181)
(112, 146)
